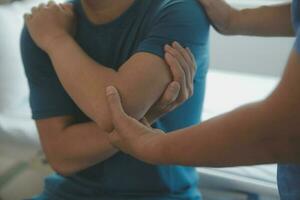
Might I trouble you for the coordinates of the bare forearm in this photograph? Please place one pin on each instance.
(78, 147)
(86, 81)
(252, 134)
(83, 79)
(263, 21)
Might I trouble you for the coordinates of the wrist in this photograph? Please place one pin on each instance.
(163, 154)
(57, 42)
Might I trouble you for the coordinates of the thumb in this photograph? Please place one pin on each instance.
(115, 105)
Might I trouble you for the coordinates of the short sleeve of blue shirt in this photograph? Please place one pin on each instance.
(47, 96)
(296, 23)
(182, 21)
(297, 42)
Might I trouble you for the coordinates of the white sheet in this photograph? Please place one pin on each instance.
(226, 91)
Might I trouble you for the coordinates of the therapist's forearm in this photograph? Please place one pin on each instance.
(263, 21)
(241, 137)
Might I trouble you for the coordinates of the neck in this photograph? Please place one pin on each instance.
(104, 11)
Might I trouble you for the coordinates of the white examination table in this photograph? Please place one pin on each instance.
(226, 91)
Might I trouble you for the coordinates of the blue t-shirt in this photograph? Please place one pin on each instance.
(289, 175)
(145, 27)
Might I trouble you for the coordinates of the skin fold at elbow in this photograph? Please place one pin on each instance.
(62, 167)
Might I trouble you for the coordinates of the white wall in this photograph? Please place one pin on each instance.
(250, 54)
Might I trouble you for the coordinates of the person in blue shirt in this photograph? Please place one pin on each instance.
(263, 132)
(72, 52)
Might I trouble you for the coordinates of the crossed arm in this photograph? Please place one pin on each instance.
(142, 80)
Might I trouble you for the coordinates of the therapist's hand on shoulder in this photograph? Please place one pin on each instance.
(49, 23)
(183, 69)
(135, 138)
(221, 15)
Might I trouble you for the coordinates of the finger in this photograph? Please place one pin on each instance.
(41, 6)
(171, 107)
(67, 6)
(117, 141)
(188, 56)
(178, 75)
(177, 71)
(187, 65)
(181, 60)
(27, 17)
(34, 10)
(114, 138)
(193, 60)
(170, 95)
(51, 4)
(115, 105)
(184, 53)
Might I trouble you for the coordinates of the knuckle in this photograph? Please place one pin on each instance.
(176, 54)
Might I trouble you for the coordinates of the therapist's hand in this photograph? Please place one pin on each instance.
(183, 68)
(131, 136)
(221, 15)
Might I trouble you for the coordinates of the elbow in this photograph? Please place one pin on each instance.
(62, 167)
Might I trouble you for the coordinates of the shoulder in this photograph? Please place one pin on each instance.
(35, 61)
(186, 17)
(185, 9)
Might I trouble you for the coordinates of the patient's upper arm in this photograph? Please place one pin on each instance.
(142, 80)
(147, 68)
(47, 96)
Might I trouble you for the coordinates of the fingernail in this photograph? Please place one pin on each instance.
(111, 90)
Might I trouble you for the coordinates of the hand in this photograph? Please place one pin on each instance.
(183, 67)
(131, 136)
(49, 23)
(221, 14)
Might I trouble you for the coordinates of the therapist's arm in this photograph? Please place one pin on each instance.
(263, 132)
(274, 20)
